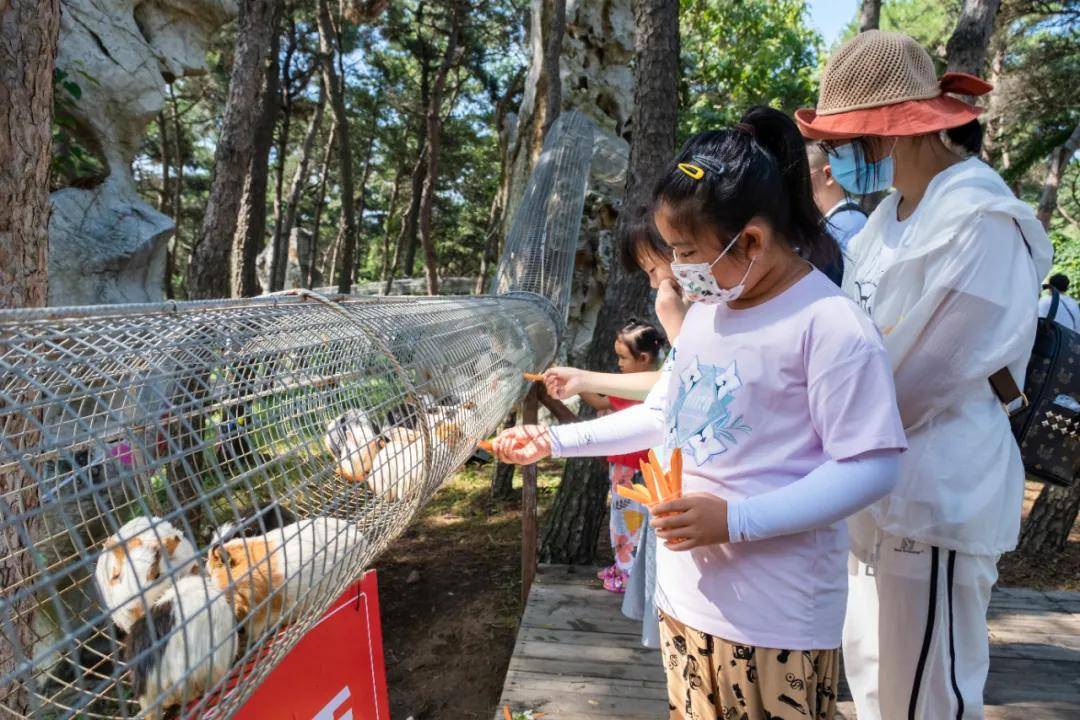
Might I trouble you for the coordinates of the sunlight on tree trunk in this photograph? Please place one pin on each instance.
(1059, 159)
(966, 49)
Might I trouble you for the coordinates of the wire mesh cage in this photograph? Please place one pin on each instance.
(188, 486)
(537, 259)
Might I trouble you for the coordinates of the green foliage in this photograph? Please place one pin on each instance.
(74, 163)
(738, 54)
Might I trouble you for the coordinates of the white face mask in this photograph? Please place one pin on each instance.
(699, 285)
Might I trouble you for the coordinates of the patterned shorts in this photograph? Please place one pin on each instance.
(711, 679)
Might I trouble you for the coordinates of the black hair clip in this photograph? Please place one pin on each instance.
(696, 169)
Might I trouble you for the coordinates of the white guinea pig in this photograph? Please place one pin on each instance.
(135, 564)
(183, 647)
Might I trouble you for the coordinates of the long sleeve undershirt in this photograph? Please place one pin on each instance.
(829, 493)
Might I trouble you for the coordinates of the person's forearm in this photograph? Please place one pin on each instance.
(635, 428)
(629, 386)
(830, 493)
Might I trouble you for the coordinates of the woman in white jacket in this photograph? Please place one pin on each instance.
(948, 266)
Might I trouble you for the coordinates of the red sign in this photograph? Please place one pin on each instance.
(336, 672)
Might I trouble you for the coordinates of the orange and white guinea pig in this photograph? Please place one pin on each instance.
(183, 647)
(136, 563)
(269, 578)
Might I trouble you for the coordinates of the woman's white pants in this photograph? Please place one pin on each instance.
(915, 637)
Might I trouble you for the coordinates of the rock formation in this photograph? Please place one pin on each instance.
(106, 244)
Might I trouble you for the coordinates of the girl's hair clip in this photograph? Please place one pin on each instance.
(696, 169)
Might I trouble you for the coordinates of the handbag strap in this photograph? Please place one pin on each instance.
(1010, 395)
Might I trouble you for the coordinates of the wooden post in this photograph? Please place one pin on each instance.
(529, 526)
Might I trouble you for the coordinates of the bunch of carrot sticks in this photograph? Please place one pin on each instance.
(659, 486)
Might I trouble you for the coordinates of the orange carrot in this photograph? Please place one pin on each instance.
(533, 377)
(661, 478)
(641, 489)
(506, 713)
(631, 494)
(652, 483)
(676, 471)
(485, 445)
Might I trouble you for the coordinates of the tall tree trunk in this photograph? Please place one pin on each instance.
(165, 193)
(549, 87)
(177, 198)
(991, 138)
(208, 271)
(28, 37)
(390, 208)
(433, 123)
(328, 48)
(869, 15)
(250, 237)
(1050, 521)
(966, 49)
(279, 258)
(296, 188)
(1059, 160)
(407, 237)
(577, 513)
(320, 205)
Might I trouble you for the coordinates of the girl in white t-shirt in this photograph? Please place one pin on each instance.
(780, 396)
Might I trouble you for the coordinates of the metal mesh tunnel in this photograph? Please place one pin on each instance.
(193, 484)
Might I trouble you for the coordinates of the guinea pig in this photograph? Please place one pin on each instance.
(352, 440)
(183, 647)
(254, 520)
(269, 578)
(134, 566)
(397, 470)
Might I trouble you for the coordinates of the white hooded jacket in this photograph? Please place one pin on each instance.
(957, 302)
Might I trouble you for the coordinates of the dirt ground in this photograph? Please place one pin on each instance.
(1059, 573)
(450, 597)
(449, 594)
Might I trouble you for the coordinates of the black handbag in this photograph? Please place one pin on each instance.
(1046, 420)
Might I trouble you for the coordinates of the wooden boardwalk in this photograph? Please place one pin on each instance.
(577, 657)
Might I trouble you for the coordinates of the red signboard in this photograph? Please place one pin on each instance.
(336, 672)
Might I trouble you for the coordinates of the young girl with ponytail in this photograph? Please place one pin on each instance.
(780, 397)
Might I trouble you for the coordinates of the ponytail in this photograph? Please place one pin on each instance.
(757, 168)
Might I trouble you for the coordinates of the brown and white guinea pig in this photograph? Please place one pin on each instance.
(397, 469)
(135, 565)
(352, 440)
(183, 647)
(268, 578)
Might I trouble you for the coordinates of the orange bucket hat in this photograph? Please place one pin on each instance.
(883, 83)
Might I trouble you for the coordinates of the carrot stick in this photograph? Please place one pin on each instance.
(676, 471)
(506, 713)
(533, 377)
(661, 478)
(641, 489)
(651, 483)
(485, 445)
(631, 494)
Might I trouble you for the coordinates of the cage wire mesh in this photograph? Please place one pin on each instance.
(188, 486)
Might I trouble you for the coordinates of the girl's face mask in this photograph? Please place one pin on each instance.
(699, 285)
(858, 176)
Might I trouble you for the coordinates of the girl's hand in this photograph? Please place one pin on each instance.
(695, 520)
(564, 382)
(522, 445)
(670, 306)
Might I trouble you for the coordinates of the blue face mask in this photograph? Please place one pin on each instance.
(858, 176)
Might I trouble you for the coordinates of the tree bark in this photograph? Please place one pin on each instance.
(279, 258)
(320, 204)
(28, 39)
(208, 271)
(549, 87)
(329, 47)
(407, 236)
(250, 236)
(1050, 521)
(165, 193)
(966, 49)
(433, 123)
(1059, 160)
(869, 15)
(577, 513)
(390, 209)
(296, 188)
